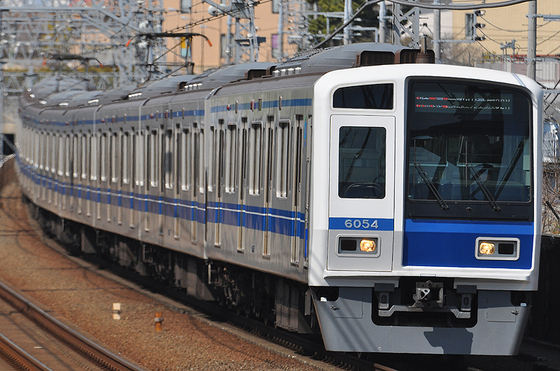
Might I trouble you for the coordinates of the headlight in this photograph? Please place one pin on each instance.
(497, 248)
(486, 248)
(368, 245)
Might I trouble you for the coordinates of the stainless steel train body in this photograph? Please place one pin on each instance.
(397, 204)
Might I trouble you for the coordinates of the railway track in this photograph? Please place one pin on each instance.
(33, 340)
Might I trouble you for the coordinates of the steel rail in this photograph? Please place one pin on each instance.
(16, 355)
(67, 335)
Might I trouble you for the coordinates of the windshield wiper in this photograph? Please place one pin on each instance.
(431, 186)
(484, 189)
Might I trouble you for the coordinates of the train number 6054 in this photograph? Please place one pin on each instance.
(361, 224)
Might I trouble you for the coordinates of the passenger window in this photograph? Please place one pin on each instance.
(361, 168)
(379, 96)
(231, 154)
(283, 158)
(255, 158)
(103, 156)
(125, 145)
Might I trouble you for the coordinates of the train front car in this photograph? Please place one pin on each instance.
(427, 238)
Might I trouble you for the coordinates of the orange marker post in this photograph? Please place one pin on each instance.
(159, 321)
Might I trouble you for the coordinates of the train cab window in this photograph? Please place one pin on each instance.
(476, 146)
(378, 96)
(361, 166)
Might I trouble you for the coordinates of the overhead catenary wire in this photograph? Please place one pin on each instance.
(482, 5)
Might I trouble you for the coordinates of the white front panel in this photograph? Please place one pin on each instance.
(361, 199)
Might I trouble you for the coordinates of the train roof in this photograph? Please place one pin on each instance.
(346, 56)
(310, 62)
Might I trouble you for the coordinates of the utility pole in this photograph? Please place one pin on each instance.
(437, 31)
(347, 15)
(280, 31)
(532, 41)
(382, 21)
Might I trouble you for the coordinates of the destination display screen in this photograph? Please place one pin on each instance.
(439, 102)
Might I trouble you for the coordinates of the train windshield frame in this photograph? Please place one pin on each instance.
(468, 143)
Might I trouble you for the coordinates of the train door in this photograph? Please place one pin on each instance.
(178, 154)
(361, 199)
(67, 170)
(168, 181)
(298, 211)
(199, 185)
(242, 184)
(268, 150)
(219, 177)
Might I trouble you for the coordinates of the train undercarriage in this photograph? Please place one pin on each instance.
(274, 300)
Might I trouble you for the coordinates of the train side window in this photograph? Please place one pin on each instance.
(93, 156)
(255, 158)
(201, 162)
(139, 161)
(195, 161)
(103, 156)
(55, 154)
(37, 150)
(61, 155)
(361, 162)
(377, 96)
(282, 158)
(46, 153)
(67, 154)
(83, 157)
(212, 162)
(153, 158)
(76, 160)
(231, 154)
(125, 148)
(168, 166)
(178, 160)
(52, 153)
(113, 157)
(132, 156)
(40, 154)
(185, 160)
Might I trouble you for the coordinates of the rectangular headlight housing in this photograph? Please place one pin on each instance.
(359, 245)
(497, 248)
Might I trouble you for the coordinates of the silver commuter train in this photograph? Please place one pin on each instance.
(395, 206)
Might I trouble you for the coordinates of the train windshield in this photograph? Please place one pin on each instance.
(468, 141)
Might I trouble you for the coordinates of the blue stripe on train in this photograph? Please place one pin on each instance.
(437, 243)
(259, 218)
